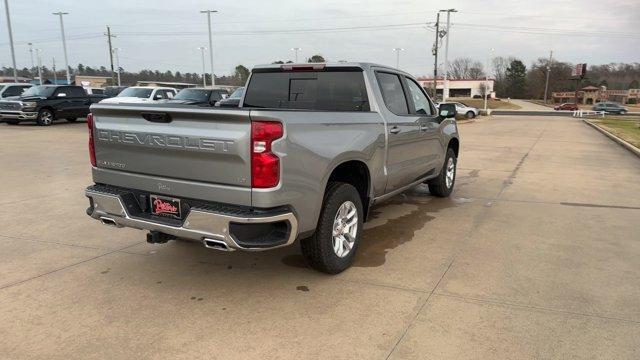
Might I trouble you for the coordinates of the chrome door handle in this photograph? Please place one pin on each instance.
(394, 130)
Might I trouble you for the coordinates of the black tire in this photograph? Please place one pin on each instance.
(71, 119)
(13, 122)
(46, 117)
(470, 115)
(438, 186)
(318, 249)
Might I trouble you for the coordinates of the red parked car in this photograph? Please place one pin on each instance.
(566, 106)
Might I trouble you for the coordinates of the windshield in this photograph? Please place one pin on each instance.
(44, 91)
(237, 94)
(136, 92)
(194, 95)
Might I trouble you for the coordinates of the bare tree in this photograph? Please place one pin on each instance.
(465, 68)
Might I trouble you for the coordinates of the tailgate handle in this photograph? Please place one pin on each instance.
(157, 117)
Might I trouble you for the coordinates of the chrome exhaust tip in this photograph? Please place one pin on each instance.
(108, 221)
(216, 244)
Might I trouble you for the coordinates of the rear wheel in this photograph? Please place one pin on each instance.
(333, 247)
(442, 186)
(45, 117)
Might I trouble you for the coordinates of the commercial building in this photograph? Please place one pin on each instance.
(461, 88)
(591, 95)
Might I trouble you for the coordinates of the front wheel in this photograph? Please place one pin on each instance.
(442, 186)
(333, 247)
(470, 115)
(45, 117)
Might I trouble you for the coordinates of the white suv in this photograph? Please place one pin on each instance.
(464, 110)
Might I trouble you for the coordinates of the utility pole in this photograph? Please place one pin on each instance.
(435, 55)
(208, 12)
(109, 36)
(38, 51)
(13, 54)
(33, 75)
(55, 76)
(445, 92)
(546, 83)
(117, 52)
(486, 81)
(204, 71)
(296, 49)
(64, 45)
(397, 50)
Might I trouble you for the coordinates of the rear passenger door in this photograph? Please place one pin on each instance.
(78, 102)
(421, 108)
(406, 157)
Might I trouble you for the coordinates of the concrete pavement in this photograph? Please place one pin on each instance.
(535, 256)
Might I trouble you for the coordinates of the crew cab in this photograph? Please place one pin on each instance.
(141, 94)
(46, 103)
(309, 151)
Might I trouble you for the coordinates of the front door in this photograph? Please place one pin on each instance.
(406, 160)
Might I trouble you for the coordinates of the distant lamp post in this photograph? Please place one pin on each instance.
(296, 49)
(204, 71)
(64, 45)
(39, 59)
(208, 12)
(397, 50)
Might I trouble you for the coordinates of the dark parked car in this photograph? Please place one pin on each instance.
(610, 108)
(198, 96)
(113, 91)
(233, 100)
(566, 106)
(46, 103)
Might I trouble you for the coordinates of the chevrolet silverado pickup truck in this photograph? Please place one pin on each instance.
(305, 156)
(46, 103)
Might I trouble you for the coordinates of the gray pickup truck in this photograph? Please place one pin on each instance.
(306, 155)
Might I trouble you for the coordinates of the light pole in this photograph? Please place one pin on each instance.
(208, 12)
(486, 80)
(64, 45)
(397, 50)
(39, 57)
(204, 72)
(546, 83)
(13, 54)
(296, 49)
(116, 52)
(53, 67)
(445, 91)
(31, 55)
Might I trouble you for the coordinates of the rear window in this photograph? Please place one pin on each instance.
(329, 90)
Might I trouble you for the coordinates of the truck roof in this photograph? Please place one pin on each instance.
(361, 65)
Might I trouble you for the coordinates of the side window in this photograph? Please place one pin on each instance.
(420, 101)
(160, 94)
(75, 92)
(97, 91)
(392, 93)
(216, 95)
(13, 91)
(169, 94)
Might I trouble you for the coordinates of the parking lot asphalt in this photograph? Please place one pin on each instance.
(535, 256)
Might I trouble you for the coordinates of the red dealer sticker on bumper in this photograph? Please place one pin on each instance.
(164, 206)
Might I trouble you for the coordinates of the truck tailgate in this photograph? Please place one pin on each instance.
(202, 145)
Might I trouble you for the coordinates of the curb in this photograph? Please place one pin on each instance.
(634, 150)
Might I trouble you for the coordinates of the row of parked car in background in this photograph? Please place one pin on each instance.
(45, 104)
(607, 107)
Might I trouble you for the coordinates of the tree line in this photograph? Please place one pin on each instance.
(513, 78)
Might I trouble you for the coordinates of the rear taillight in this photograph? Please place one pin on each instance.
(92, 148)
(265, 165)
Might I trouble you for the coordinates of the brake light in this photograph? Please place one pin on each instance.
(92, 148)
(265, 165)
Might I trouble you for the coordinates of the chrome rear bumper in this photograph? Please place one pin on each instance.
(209, 227)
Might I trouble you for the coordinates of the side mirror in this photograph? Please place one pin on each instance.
(157, 97)
(61, 95)
(447, 111)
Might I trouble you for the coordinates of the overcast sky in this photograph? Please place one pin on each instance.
(165, 34)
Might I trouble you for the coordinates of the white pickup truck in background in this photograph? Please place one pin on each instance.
(141, 95)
